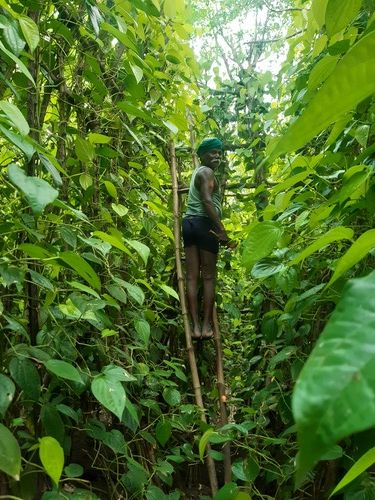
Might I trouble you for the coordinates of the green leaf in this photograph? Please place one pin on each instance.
(135, 292)
(262, 239)
(64, 370)
(172, 396)
(363, 463)
(340, 13)
(22, 143)
(170, 291)
(51, 168)
(111, 189)
(333, 397)
(26, 376)
(137, 72)
(132, 110)
(113, 240)
(30, 32)
(318, 8)
(18, 62)
(85, 150)
(73, 470)
(227, 492)
(117, 374)
(84, 288)
(52, 457)
(110, 393)
(37, 191)
(352, 80)
(142, 328)
(321, 71)
(335, 234)
(10, 454)
(147, 6)
(266, 267)
(7, 390)
(360, 248)
(15, 117)
(204, 441)
(35, 251)
(163, 432)
(81, 267)
(95, 138)
(142, 249)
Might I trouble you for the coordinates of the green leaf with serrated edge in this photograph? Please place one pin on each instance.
(110, 394)
(352, 80)
(10, 454)
(64, 370)
(142, 249)
(360, 248)
(163, 432)
(335, 234)
(52, 457)
(81, 267)
(363, 463)
(83, 288)
(37, 191)
(337, 377)
(15, 117)
(228, 492)
(18, 62)
(170, 291)
(30, 32)
(204, 441)
(262, 239)
(7, 390)
(339, 13)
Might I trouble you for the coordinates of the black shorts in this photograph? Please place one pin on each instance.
(196, 231)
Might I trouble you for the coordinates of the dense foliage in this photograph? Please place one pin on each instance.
(95, 395)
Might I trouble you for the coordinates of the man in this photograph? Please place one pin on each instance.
(202, 231)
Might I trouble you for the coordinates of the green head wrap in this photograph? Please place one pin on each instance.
(208, 145)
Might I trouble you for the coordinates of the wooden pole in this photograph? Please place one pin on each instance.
(181, 289)
(222, 395)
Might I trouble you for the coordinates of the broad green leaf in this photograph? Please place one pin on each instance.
(112, 240)
(81, 267)
(262, 239)
(360, 248)
(204, 441)
(95, 138)
(333, 397)
(7, 390)
(26, 376)
(10, 454)
(51, 168)
(339, 13)
(18, 62)
(170, 291)
(361, 134)
(120, 210)
(52, 457)
(163, 432)
(111, 189)
(266, 267)
(335, 234)
(318, 8)
(64, 370)
(30, 32)
(73, 470)
(84, 288)
(22, 143)
(132, 110)
(122, 37)
(147, 6)
(142, 328)
(172, 396)
(137, 72)
(135, 292)
(352, 80)
(142, 249)
(363, 463)
(110, 393)
(171, 126)
(321, 71)
(15, 117)
(85, 150)
(117, 374)
(229, 491)
(352, 180)
(35, 251)
(37, 191)
(11, 35)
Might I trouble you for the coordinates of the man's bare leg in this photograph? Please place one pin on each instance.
(208, 267)
(192, 278)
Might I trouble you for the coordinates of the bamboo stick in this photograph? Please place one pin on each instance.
(181, 289)
(222, 395)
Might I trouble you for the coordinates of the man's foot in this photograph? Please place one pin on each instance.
(196, 333)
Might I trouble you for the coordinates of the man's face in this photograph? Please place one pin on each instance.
(212, 158)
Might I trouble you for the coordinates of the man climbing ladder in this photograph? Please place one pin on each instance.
(202, 231)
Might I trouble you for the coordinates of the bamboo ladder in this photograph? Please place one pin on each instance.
(189, 345)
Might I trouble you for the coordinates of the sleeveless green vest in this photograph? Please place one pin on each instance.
(195, 206)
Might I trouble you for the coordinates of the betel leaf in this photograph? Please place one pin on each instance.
(363, 463)
(52, 457)
(338, 377)
(163, 432)
(142, 249)
(23, 143)
(7, 390)
(135, 292)
(229, 491)
(112, 240)
(15, 117)
(137, 72)
(81, 267)
(262, 239)
(18, 62)
(360, 248)
(352, 80)
(339, 13)
(142, 328)
(147, 6)
(204, 441)
(30, 32)
(64, 370)
(170, 291)
(85, 150)
(117, 374)
(10, 454)
(37, 191)
(172, 396)
(26, 376)
(73, 470)
(110, 393)
(335, 234)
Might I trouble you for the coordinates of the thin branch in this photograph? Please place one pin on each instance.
(272, 40)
